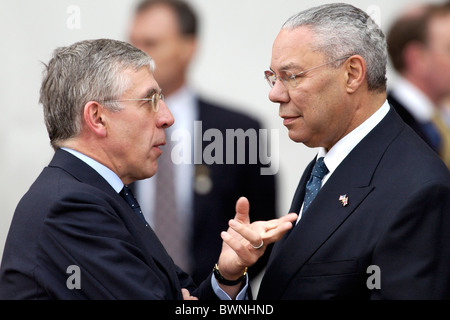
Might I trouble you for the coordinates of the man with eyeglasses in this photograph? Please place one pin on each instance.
(203, 192)
(374, 205)
(78, 233)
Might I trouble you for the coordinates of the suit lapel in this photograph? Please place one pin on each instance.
(149, 242)
(326, 213)
(324, 216)
(295, 207)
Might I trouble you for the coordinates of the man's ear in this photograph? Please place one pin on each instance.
(356, 73)
(95, 118)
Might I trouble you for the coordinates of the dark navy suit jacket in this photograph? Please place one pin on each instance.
(72, 217)
(397, 219)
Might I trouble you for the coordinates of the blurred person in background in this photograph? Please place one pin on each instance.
(419, 48)
(204, 193)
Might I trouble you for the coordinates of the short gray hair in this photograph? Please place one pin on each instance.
(344, 30)
(90, 70)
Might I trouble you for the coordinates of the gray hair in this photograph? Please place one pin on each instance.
(91, 70)
(344, 30)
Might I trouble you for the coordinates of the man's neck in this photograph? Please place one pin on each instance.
(367, 105)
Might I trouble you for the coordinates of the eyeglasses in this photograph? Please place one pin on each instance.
(289, 78)
(153, 101)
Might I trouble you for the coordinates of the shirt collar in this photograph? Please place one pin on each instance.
(414, 100)
(109, 175)
(343, 147)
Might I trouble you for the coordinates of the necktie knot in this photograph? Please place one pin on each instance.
(320, 169)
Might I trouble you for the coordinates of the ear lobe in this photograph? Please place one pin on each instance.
(356, 73)
(94, 117)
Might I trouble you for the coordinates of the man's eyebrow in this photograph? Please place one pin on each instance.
(288, 66)
(291, 65)
(151, 92)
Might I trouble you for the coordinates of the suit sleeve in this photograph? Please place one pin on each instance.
(414, 253)
(85, 231)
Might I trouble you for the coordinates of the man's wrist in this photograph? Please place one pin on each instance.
(221, 279)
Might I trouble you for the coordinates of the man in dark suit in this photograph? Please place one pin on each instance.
(418, 43)
(78, 233)
(205, 190)
(378, 225)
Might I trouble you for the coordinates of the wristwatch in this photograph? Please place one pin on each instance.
(226, 282)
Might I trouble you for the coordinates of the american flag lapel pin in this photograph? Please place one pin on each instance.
(343, 199)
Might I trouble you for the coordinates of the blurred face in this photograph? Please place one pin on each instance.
(438, 57)
(317, 112)
(156, 32)
(136, 132)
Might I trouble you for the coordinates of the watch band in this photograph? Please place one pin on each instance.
(224, 281)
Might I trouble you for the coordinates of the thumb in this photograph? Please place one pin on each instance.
(242, 210)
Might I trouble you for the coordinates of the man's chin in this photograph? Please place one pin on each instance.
(294, 136)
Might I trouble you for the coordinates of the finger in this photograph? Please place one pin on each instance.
(242, 210)
(246, 255)
(187, 295)
(231, 241)
(247, 233)
(291, 217)
(277, 233)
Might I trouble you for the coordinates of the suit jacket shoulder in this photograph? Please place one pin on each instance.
(72, 219)
(397, 211)
(408, 118)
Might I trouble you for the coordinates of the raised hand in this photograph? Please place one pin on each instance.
(245, 243)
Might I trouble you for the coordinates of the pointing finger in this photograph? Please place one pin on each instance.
(242, 210)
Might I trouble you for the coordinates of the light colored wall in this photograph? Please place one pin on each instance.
(236, 40)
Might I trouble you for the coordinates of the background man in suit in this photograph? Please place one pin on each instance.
(378, 227)
(418, 44)
(78, 233)
(204, 192)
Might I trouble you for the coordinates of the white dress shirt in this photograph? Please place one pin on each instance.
(343, 147)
